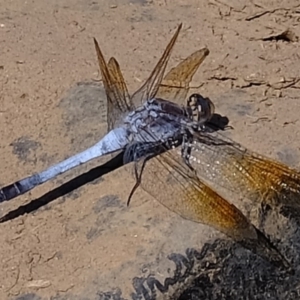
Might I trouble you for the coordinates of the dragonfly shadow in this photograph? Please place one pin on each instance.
(216, 123)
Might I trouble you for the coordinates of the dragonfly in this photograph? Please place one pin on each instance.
(126, 114)
(148, 124)
(178, 176)
(208, 154)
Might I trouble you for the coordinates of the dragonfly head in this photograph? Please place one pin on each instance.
(201, 108)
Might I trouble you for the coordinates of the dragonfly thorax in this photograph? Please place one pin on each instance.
(156, 120)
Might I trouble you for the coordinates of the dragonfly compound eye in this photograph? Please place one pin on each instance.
(203, 106)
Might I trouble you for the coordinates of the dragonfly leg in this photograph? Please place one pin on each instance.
(139, 153)
(186, 148)
(138, 177)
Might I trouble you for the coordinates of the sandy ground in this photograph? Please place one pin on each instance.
(87, 244)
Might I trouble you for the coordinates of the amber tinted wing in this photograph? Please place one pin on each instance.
(228, 164)
(120, 86)
(175, 85)
(173, 184)
(149, 89)
(118, 101)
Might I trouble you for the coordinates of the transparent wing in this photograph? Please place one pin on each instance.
(121, 90)
(179, 189)
(118, 100)
(228, 164)
(149, 89)
(176, 84)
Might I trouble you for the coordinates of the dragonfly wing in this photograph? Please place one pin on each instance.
(228, 164)
(115, 89)
(120, 85)
(176, 187)
(175, 85)
(149, 89)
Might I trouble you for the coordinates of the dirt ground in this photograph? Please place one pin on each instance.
(88, 244)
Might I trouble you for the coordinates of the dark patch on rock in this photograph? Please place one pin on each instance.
(23, 148)
(105, 209)
(93, 233)
(242, 109)
(107, 201)
(103, 222)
